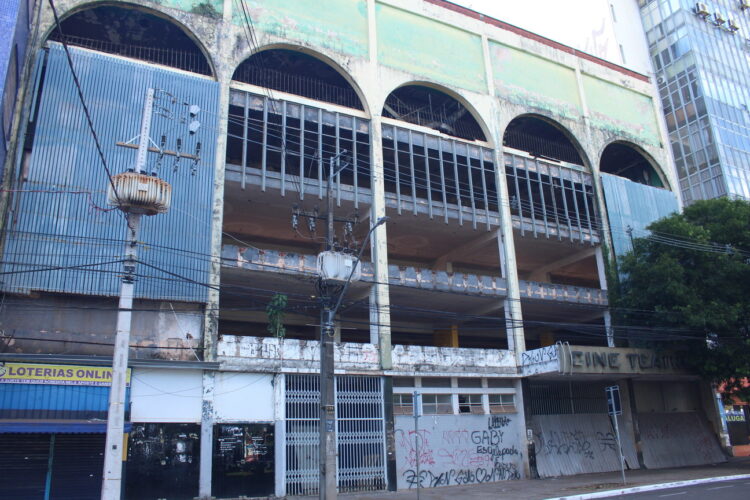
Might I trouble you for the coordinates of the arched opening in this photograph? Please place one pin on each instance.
(134, 33)
(548, 186)
(297, 73)
(432, 108)
(625, 161)
(540, 139)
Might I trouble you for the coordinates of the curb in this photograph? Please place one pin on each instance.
(651, 487)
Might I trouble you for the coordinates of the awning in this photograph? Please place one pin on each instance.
(55, 427)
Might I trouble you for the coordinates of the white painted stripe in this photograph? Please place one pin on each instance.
(720, 487)
(651, 487)
(674, 494)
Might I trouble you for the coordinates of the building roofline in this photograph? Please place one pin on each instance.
(538, 38)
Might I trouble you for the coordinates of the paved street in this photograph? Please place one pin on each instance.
(539, 489)
(726, 490)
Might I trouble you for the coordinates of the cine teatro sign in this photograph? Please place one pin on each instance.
(625, 361)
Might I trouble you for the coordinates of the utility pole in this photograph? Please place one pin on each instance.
(327, 396)
(136, 194)
(334, 269)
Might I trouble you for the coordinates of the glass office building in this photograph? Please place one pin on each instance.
(701, 56)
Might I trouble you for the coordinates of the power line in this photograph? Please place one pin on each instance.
(86, 112)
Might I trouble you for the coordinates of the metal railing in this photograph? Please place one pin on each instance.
(297, 84)
(445, 172)
(551, 196)
(193, 61)
(288, 145)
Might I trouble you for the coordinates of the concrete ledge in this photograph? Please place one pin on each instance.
(651, 487)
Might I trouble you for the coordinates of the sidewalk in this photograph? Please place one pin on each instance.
(538, 489)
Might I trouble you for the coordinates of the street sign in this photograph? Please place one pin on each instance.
(614, 408)
(613, 400)
(417, 403)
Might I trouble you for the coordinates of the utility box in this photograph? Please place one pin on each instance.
(337, 266)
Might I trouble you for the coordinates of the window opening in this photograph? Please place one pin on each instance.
(624, 161)
(502, 403)
(135, 34)
(299, 74)
(541, 140)
(437, 404)
(433, 109)
(470, 403)
(403, 404)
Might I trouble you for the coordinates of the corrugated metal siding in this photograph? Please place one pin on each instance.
(55, 229)
(636, 205)
(578, 444)
(677, 440)
(53, 401)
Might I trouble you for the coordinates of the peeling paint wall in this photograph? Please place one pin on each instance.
(338, 25)
(621, 110)
(208, 8)
(532, 81)
(458, 449)
(430, 49)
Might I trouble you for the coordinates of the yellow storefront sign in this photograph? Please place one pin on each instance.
(30, 373)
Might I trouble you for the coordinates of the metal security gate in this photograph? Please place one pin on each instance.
(360, 434)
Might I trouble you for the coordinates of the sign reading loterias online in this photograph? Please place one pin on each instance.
(28, 373)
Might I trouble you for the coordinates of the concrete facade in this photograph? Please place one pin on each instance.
(492, 263)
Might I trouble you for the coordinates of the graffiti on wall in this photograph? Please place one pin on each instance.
(457, 449)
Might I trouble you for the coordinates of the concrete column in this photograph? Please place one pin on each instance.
(602, 270)
(380, 312)
(630, 409)
(521, 415)
(279, 413)
(512, 307)
(380, 305)
(207, 436)
(211, 315)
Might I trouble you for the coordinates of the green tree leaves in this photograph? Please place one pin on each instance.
(690, 282)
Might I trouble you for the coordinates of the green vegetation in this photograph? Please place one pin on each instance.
(690, 285)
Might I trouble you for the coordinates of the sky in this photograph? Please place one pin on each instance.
(585, 25)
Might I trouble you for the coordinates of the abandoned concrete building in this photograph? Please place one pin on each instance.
(510, 167)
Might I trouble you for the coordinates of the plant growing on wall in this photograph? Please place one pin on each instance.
(689, 286)
(275, 310)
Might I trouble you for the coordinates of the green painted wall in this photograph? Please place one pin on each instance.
(620, 110)
(427, 48)
(526, 79)
(208, 8)
(338, 25)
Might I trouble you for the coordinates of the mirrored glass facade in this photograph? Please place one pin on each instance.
(701, 56)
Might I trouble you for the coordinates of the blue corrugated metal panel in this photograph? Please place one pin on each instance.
(56, 427)
(54, 397)
(52, 227)
(636, 205)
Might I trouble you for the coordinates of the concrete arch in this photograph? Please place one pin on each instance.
(151, 10)
(646, 156)
(329, 61)
(570, 136)
(473, 111)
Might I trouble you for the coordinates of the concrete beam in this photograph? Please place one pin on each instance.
(470, 245)
(540, 274)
